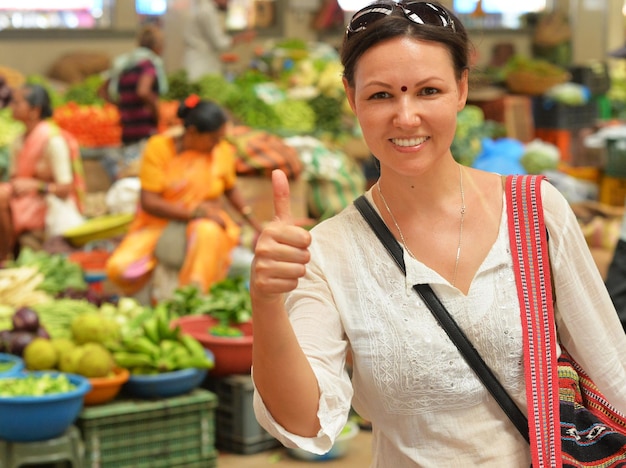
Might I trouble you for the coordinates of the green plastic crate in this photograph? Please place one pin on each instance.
(169, 432)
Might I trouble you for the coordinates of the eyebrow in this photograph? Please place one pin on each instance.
(414, 85)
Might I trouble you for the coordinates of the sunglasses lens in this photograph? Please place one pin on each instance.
(428, 13)
(366, 16)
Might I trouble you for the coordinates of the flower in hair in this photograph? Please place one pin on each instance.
(192, 101)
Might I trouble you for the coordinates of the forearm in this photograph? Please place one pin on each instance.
(282, 374)
(245, 211)
(152, 203)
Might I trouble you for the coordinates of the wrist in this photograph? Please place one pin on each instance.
(195, 213)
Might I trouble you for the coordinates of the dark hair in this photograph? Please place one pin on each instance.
(397, 25)
(205, 116)
(150, 36)
(37, 96)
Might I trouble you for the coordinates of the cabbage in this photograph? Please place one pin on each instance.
(540, 156)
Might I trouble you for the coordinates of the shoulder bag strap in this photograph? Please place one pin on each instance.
(529, 247)
(454, 332)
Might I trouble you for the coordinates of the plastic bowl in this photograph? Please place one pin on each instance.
(233, 355)
(104, 389)
(100, 227)
(165, 384)
(34, 418)
(338, 450)
(16, 365)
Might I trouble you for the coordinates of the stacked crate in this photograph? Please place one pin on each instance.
(237, 429)
(167, 432)
(566, 126)
(613, 184)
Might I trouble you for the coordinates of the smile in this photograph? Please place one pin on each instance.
(408, 141)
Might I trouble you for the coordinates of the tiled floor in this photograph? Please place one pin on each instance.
(358, 456)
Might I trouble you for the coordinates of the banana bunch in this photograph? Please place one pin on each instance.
(160, 348)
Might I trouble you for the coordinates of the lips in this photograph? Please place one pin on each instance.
(408, 142)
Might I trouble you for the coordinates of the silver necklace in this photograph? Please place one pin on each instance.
(458, 248)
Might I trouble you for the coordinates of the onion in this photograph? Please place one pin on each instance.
(18, 341)
(25, 319)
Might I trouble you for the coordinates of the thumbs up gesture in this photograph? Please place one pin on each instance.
(281, 252)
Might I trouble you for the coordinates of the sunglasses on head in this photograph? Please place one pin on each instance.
(418, 12)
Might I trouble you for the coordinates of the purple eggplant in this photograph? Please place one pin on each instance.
(19, 340)
(25, 319)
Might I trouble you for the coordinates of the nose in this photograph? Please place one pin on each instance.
(408, 113)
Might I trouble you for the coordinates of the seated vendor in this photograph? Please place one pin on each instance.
(183, 177)
(45, 188)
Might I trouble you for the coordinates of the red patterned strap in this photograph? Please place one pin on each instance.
(529, 247)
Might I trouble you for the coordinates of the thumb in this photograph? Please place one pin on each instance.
(282, 200)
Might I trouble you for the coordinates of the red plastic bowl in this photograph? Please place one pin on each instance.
(233, 355)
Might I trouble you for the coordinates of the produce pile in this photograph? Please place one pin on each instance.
(35, 385)
(49, 318)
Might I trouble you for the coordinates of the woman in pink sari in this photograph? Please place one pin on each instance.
(44, 169)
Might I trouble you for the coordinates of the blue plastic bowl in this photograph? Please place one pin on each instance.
(16, 368)
(28, 418)
(165, 384)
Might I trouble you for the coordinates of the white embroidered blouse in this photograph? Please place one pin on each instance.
(427, 407)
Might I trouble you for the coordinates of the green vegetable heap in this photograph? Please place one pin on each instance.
(35, 385)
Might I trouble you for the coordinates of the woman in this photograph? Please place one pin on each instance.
(46, 187)
(183, 177)
(318, 296)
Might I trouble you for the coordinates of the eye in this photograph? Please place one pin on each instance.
(429, 91)
(379, 95)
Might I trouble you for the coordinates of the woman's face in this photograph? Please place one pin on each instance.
(406, 97)
(206, 141)
(21, 109)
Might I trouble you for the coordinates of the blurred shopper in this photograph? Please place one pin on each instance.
(45, 187)
(183, 177)
(206, 40)
(137, 80)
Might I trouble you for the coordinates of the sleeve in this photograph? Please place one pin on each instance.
(587, 323)
(148, 68)
(58, 153)
(152, 174)
(320, 332)
(211, 28)
(227, 157)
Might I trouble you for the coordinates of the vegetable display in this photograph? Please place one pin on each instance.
(228, 301)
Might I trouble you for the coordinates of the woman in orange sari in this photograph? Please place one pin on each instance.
(45, 172)
(183, 177)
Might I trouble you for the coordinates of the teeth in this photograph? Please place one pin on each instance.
(408, 141)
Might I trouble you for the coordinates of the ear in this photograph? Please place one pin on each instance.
(463, 86)
(349, 93)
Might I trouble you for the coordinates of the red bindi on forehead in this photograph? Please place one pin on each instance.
(404, 89)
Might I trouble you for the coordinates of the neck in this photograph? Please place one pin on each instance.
(30, 126)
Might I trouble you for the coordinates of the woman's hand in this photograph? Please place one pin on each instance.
(282, 250)
(25, 185)
(210, 209)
